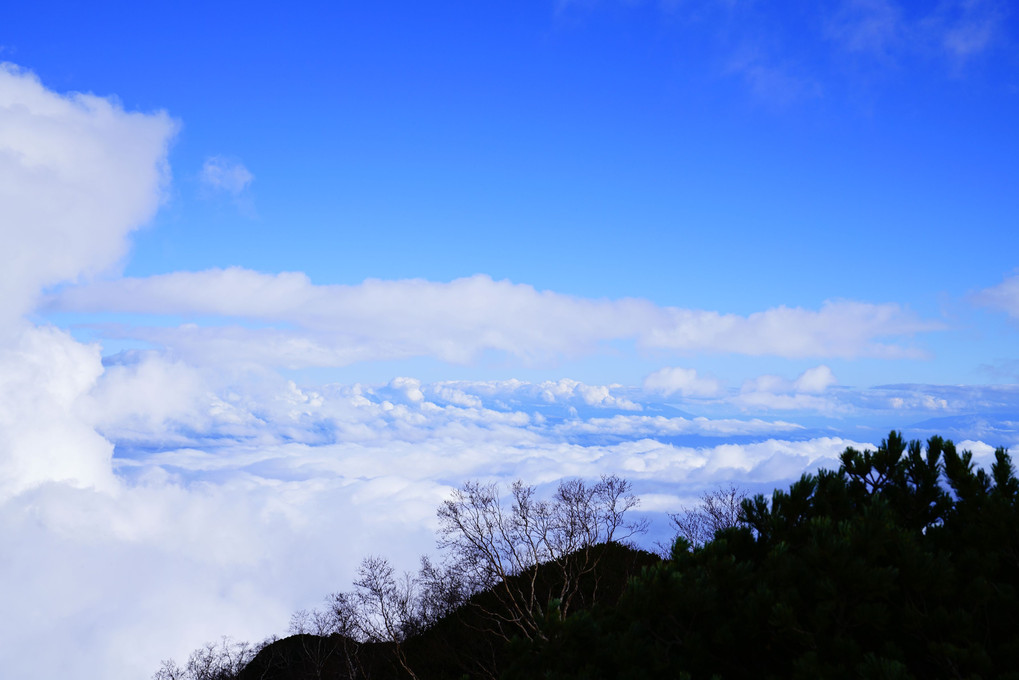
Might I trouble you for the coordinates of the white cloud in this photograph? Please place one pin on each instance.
(411, 387)
(591, 395)
(513, 393)
(459, 320)
(223, 174)
(44, 436)
(685, 381)
(453, 395)
(661, 426)
(77, 175)
(777, 393)
(983, 454)
(754, 400)
(924, 402)
(145, 395)
(1004, 296)
(840, 328)
(128, 579)
(815, 380)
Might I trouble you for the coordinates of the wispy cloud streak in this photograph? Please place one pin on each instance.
(457, 321)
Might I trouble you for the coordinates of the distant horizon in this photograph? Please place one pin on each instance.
(274, 274)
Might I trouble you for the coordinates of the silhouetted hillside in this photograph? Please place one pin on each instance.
(462, 644)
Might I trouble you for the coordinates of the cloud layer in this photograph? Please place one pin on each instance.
(335, 325)
(233, 501)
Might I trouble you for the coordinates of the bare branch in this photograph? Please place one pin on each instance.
(501, 547)
(719, 509)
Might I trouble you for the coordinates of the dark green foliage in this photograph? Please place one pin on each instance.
(903, 563)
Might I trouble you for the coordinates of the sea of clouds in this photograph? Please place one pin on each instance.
(154, 499)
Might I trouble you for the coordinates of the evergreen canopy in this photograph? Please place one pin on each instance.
(903, 563)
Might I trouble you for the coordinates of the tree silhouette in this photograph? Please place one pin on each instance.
(903, 563)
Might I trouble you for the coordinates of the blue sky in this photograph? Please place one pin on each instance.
(279, 272)
(727, 157)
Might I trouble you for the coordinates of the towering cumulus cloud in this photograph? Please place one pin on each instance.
(77, 175)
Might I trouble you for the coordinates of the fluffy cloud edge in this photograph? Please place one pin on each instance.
(78, 174)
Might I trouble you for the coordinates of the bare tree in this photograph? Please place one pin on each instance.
(386, 605)
(499, 546)
(169, 670)
(346, 615)
(315, 630)
(210, 662)
(441, 590)
(719, 509)
(490, 545)
(383, 608)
